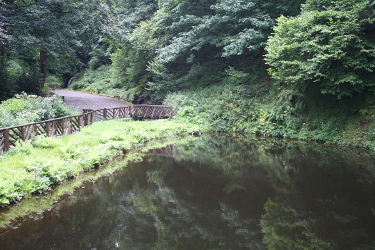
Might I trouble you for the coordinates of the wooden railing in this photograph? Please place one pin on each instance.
(152, 111)
(70, 124)
(54, 127)
(138, 112)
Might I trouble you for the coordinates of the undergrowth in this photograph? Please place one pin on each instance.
(24, 108)
(233, 108)
(99, 81)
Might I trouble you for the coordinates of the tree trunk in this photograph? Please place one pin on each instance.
(43, 66)
(2, 56)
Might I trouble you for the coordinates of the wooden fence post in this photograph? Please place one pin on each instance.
(81, 124)
(93, 116)
(104, 114)
(47, 129)
(23, 133)
(6, 140)
(35, 131)
(54, 128)
(70, 128)
(62, 126)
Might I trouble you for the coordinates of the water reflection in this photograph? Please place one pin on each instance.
(217, 192)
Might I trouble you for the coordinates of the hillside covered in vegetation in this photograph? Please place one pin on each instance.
(297, 69)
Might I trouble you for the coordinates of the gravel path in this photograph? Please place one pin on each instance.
(82, 100)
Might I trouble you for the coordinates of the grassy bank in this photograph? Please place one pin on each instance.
(34, 167)
(232, 108)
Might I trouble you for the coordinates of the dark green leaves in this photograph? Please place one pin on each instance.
(332, 46)
(237, 26)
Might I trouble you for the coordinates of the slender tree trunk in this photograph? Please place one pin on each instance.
(2, 56)
(43, 66)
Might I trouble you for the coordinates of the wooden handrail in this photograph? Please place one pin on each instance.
(141, 111)
(9, 136)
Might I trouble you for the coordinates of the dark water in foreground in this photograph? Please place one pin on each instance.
(217, 192)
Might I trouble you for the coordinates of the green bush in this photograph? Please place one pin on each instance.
(219, 108)
(18, 76)
(238, 108)
(91, 80)
(100, 56)
(23, 109)
(330, 45)
(55, 80)
(14, 105)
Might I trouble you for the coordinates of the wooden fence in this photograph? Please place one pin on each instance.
(68, 125)
(138, 112)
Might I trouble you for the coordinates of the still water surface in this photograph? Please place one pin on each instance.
(217, 192)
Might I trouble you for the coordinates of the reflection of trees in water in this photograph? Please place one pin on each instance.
(96, 216)
(325, 196)
(220, 192)
(194, 212)
(323, 200)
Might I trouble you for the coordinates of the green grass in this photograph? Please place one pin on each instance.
(34, 167)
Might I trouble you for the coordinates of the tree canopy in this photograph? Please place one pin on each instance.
(167, 45)
(43, 28)
(330, 44)
(178, 42)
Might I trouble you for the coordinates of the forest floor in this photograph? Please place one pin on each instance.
(81, 100)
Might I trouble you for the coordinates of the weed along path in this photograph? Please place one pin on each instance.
(82, 100)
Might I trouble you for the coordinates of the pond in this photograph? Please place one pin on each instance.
(215, 192)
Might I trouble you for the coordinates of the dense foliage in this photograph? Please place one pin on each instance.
(174, 45)
(293, 69)
(329, 44)
(41, 33)
(231, 108)
(207, 57)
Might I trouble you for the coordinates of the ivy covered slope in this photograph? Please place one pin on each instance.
(33, 167)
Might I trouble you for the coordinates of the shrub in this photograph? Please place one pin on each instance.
(220, 108)
(25, 108)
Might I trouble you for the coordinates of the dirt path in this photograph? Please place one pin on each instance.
(82, 100)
